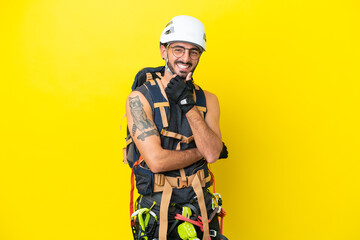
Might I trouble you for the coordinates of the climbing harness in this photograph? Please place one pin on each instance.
(143, 220)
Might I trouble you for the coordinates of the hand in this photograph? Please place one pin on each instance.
(179, 92)
(190, 84)
(224, 152)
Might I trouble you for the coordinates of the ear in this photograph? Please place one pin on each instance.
(163, 51)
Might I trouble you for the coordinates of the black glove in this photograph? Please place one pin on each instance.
(190, 85)
(179, 92)
(224, 152)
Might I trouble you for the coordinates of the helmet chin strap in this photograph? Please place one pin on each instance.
(167, 66)
(167, 62)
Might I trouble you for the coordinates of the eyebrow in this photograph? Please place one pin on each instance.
(194, 48)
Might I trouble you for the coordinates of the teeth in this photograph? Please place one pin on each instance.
(183, 66)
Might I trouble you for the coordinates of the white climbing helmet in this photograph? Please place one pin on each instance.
(184, 29)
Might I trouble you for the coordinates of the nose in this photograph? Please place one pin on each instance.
(186, 56)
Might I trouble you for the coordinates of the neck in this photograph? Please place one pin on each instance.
(166, 78)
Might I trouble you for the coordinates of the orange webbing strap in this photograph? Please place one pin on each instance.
(161, 88)
(125, 156)
(202, 110)
(150, 78)
(164, 207)
(177, 182)
(158, 74)
(129, 141)
(183, 175)
(200, 196)
(133, 185)
(178, 136)
(171, 134)
(161, 106)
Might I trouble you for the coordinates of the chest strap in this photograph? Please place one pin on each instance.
(179, 182)
(178, 136)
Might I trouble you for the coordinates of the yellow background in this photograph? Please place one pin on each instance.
(287, 77)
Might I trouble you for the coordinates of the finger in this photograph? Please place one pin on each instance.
(188, 77)
(170, 84)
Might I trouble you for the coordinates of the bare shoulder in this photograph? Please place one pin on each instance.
(211, 99)
(136, 94)
(213, 107)
(136, 97)
(212, 117)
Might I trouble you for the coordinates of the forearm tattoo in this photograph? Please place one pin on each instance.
(141, 121)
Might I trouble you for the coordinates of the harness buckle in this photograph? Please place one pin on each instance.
(212, 233)
(159, 179)
(181, 183)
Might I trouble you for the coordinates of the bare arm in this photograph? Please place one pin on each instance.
(146, 137)
(206, 132)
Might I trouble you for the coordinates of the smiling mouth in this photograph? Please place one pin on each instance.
(183, 66)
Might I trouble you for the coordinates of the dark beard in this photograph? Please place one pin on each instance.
(182, 75)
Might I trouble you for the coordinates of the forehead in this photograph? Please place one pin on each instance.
(184, 44)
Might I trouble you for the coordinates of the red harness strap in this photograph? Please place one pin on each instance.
(222, 214)
(198, 223)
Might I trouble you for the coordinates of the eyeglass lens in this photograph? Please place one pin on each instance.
(179, 52)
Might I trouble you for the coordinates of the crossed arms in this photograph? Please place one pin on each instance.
(143, 131)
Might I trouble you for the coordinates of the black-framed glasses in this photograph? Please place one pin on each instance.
(179, 51)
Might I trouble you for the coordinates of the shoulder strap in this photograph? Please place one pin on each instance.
(161, 103)
(200, 100)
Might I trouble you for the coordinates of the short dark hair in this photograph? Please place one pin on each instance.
(164, 44)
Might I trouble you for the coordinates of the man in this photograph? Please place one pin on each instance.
(175, 135)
